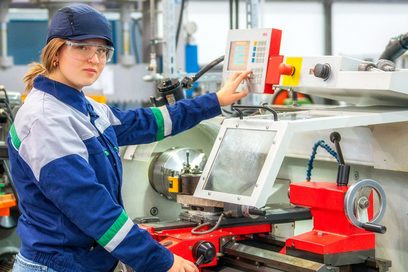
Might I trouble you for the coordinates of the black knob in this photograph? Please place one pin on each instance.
(204, 252)
(335, 136)
(322, 71)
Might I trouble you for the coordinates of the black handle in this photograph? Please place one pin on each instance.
(256, 212)
(238, 109)
(199, 261)
(374, 228)
(343, 171)
(335, 138)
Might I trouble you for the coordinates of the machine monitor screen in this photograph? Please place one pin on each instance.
(239, 161)
(238, 58)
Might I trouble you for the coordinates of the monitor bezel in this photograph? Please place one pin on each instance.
(266, 178)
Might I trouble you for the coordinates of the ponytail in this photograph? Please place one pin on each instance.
(36, 69)
(47, 65)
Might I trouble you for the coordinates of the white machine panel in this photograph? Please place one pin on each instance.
(247, 154)
(346, 83)
(250, 49)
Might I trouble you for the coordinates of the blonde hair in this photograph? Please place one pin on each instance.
(48, 63)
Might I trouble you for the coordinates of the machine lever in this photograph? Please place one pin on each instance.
(374, 227)
(335, 138)
(204, 252)
(256, 212)
(199, 261)
(343, 171)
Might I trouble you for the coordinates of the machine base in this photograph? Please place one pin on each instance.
(239, 256)
(337, 259)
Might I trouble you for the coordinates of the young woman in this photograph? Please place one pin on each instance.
(64, 157)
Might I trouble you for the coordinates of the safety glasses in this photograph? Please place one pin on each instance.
(86, 51)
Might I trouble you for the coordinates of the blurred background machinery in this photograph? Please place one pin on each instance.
(9, 242)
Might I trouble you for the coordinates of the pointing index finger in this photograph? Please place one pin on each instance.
(243, 75)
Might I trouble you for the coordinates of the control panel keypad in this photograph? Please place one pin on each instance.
(258, 52)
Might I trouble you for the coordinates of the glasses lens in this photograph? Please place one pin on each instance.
(109, 54)
(86, 51)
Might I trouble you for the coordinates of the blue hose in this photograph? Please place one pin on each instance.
(322, 144)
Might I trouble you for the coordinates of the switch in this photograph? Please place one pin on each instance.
(286, 69)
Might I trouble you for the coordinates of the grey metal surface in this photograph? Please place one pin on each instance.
(9, 246)
(335, 259)
(169, 38)
(273, 259)
(328, 37)
(253, 12)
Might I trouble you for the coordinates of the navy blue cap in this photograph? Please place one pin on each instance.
(79, 22)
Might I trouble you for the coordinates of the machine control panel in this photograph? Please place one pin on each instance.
(252, 49)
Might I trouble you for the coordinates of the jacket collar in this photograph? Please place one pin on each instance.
(62, 92)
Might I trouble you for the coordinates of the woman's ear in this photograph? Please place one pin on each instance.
(55, 62)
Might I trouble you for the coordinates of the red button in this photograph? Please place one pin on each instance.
(286, 69)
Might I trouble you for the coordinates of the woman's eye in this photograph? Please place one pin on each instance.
(102, 50)
(83, 47)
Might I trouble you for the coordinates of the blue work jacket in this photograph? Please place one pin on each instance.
(63, 149)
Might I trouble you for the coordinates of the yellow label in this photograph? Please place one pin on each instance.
(293, 80)
(174, 185)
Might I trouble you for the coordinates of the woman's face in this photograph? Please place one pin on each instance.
(80, 63)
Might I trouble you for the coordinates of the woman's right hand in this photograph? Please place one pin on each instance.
(227, 95)
(182, 265)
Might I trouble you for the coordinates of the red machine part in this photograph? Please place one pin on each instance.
(332, 232)
(7, 201)
(272, 72)
(182, 241)
(281, 96)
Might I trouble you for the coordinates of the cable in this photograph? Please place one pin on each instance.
(187, 82)
(207, 68)
(326, 147)
(196, 232)
(226, 111)
(180, 21)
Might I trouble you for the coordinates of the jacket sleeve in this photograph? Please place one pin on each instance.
(58, 158)
(146, 125)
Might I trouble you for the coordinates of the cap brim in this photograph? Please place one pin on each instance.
(87, 37)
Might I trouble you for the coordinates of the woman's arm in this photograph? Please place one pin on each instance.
(147, 125)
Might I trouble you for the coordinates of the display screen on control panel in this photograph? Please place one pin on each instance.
(238, 58)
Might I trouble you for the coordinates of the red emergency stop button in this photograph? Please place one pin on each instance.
(286, 69)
